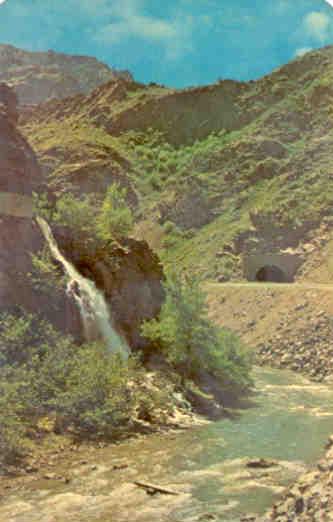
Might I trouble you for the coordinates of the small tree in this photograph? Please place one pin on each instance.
(79, 213)
(191, 342)
(115, 218)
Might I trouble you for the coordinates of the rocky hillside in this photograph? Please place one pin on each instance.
(129, 274)
(39, 76)
(212, 171)
(20, 237)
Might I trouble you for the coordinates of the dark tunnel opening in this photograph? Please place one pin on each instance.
(271, 273)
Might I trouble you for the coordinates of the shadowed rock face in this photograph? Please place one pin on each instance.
(130, 276)
(19, 169)
(8, 103)
(20, 237)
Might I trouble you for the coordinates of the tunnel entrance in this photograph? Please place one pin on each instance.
(275, 267)
(271, 273)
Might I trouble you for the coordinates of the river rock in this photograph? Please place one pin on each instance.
(261, 463)
(309, 500)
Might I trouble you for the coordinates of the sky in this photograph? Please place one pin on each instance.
(174, 42)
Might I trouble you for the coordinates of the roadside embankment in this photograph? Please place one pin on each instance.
(287, 326)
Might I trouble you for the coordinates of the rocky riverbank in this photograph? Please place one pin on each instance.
(307, 349)
(310, 499)
(218, 471)
(162, 406)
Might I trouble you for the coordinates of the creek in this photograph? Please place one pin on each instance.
(287, 420)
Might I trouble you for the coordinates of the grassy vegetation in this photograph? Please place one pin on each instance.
(104, 220)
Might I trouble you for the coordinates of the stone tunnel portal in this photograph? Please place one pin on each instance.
(271, 273)
(271, 267)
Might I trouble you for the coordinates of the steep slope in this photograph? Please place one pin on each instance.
(129, 274)
(213, 172)
(39, 76)
(20, 237)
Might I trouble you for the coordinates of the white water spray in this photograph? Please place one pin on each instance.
(93, 307)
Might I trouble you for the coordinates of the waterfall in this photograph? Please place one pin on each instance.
(91, 301)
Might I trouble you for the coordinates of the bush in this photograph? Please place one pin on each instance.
(191, 342)
(12, 424)
(109, 220)
(77, 213)
(22, 336)
(91, 390)
(46, 277)
(44, 374)
(115, 219)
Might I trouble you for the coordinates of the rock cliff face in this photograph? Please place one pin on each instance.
(18, 165)
(39, 76)
(130, 276)
(20, 237)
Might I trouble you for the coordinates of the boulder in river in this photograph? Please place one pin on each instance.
(261, 463)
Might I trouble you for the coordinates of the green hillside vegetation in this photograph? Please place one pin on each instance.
(197, 180)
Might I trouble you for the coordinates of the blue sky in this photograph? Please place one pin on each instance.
(175, 42)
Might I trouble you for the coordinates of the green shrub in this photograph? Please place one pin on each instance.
(42, 206)
(46, 277)
(90, 391)
(43, 372)
(87, 390)
(13, 444)
(22, 336)
(191, 342)
(115, 218)
(77, 213)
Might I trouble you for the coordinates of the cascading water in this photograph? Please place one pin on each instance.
(93, 307)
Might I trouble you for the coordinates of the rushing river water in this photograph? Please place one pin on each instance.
(288, 420)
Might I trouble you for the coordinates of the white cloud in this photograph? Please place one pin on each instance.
(174, 34)
(317, 25)
(303, 50)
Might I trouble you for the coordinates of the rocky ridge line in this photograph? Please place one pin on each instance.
(40, 76)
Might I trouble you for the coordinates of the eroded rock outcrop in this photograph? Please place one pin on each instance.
(20, 237)
(39, 76)
(130, 275)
